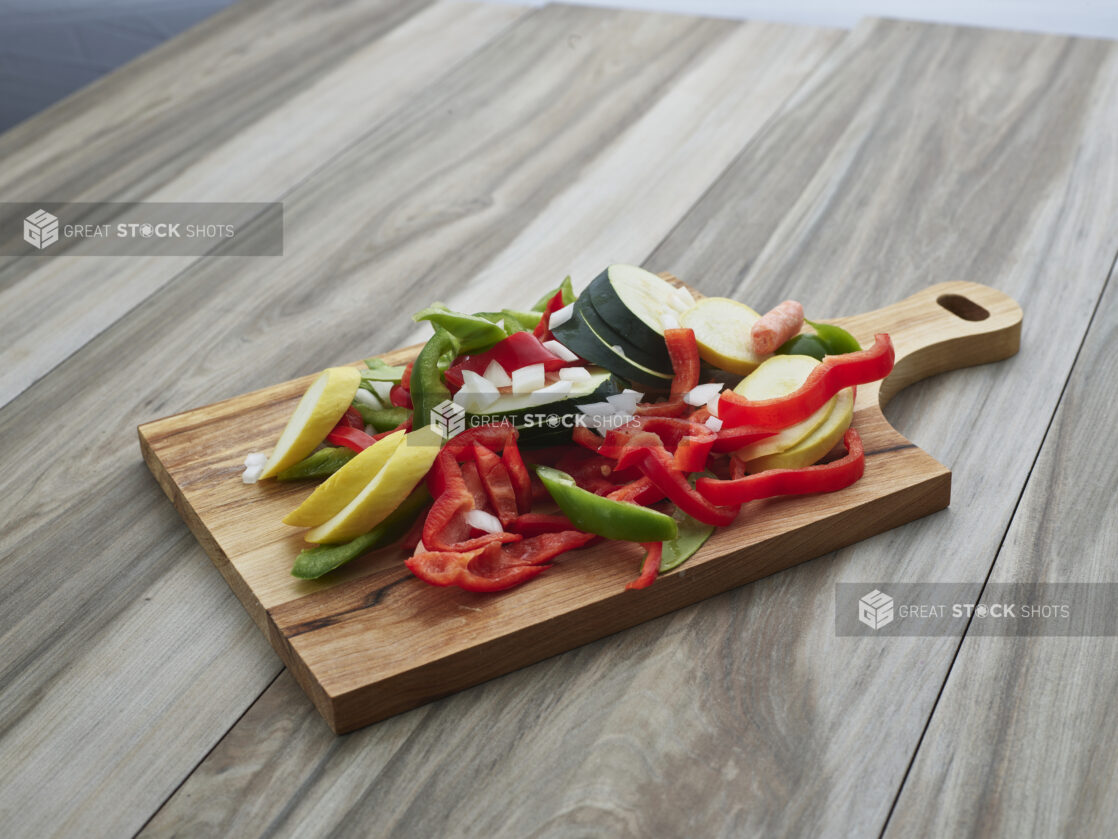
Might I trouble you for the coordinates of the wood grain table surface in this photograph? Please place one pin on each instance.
(476, 154)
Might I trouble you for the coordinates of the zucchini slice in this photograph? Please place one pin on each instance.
(653, 354)
(633, 302)
(581, 338)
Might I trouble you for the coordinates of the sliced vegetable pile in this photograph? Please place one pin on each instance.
(516, 436)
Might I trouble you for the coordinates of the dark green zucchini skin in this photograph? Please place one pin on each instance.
(617, 315)
(578, 336)
(652, 354)
(552, 425)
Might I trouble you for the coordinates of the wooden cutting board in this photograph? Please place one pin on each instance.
(374, 641)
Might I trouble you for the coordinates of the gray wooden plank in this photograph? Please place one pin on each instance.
(1022, 741)
(915, 154)
(400, 217)
(269, 113)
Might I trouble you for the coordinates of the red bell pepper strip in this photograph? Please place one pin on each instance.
(352, 418)
(670, 408)
(498, 486)
(651, 567)
(658, 466)
(445, 528)
(833, 374)
(640, 491)
(543, 328)
(586, 438)
(345, 435)
(684, 353)
(405, 380)
(533, 524)
(475, 486)
(518, 475)
(740, 436)
(690, 442)
(518, 350)
(824, 477)
(400, 397)
(544, 547)
(589, 471)
(495, 567)
(452, 568)
(493, 436)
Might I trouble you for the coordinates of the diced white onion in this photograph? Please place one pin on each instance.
(574, 374)
(477, 392)
(701, 394)
(682, 299)
(528, 379)
(712, 405)
(482, 520)
(669, 321)
(561, 316)
(256, 459)
(382, 390)
(559, 388)
(617, 348)
(714, 423)
(370, 430)
(366, 397)
(592, 409)
(602, 416)
(625, 402)
(252, 473)
(496, 374)
(420, 547)
(560, 350)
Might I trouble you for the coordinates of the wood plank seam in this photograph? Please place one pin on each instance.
(998, 552)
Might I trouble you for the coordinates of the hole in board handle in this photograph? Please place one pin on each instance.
(962, 307)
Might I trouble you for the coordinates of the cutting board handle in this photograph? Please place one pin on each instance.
(944, 327)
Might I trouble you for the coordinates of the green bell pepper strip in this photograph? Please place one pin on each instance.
(836, 339)
(312, 563)
(568, 295)
(804, 345)
(427, 386)
(592, 513)
(320, 464)
(472, 332)
(692, 536)
(382, 419)
(378, 371)
(513, 321)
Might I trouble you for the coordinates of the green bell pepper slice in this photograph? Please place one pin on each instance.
(592, 513)
(427, 386)
(692, 535)
(804, 345)
(827, 340)
(382, 419)
(312, 563)
(568, 295)
(320, 464)
(378, 371)
(472, 332)
(837, 339)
